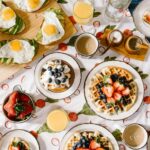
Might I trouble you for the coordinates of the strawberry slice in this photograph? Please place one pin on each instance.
(14, 148)
(117, 96)
(116, 85)
(108, 90)
(148, 18)
(126, 91)
(111, 100)
(94, 145)
(9, 106)
(120, 88)
(109, 80)
(27, 110)
(24, 98)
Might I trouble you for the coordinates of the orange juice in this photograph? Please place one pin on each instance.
(57, 120)
(83, 11)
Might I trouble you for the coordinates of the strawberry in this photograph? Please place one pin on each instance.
(111, 100)
(24, 98)
(117, 96)
(99, 35)
(126, 91)
(116, 85)
(94, 145)
(62, 46)
(15, 148)
(147, 99)
(128, 32)
(109, 80)
(40, 103)
(100, 148)
(73, 116)
(108, 90)
(120, 88)
(27, 110)
(35, 134)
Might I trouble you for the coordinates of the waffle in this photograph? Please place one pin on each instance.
(90, 136)
(125, 102)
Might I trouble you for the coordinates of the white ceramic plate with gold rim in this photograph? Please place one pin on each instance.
(89, 127)
(7, 138)
(77, 75)
(138, 14)
(137, 79)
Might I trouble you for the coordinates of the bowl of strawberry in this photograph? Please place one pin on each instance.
(18, 106)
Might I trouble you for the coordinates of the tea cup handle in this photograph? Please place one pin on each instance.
(102, 50)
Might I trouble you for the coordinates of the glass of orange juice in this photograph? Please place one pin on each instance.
(83, 11)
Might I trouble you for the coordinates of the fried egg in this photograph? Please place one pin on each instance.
(7, 17)
(52, 29)
(29, 5)
(20, 50)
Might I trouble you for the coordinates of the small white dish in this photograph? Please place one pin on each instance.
(138, 14)
(89, 127)
(25, 135)
(77, 75)
(137, 79)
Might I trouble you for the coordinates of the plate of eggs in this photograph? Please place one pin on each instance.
(28, 29)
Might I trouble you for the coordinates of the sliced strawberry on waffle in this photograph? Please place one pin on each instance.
(126, 91)
(94, 145)
(108, 90)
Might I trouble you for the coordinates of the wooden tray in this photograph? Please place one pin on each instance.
(33, 22)
(122, 50)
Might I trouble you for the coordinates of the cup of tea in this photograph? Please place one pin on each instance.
(87, 45)
(135, 136)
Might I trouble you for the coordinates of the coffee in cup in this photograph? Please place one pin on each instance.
(135, 136)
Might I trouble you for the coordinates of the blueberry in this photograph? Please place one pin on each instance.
(66, 77)
(108, 106)
(59, 74)
(61, 69)
(128, 101)
(101, 84)
(82, 140)
(98, 86)
(57, 81)
(56, 70)
(122, 80)
(103, 96)
(126, 97)
(50, 80)
(87, 144)
(49, 68)
(63, 80)
(114, 77)
(78, 145)
(104, 100)
(55, 75)
(52, 73)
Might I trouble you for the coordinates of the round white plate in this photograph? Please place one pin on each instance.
(89, 127)
(77, 74)
(137, 79)
(138, 17)
(7, 138)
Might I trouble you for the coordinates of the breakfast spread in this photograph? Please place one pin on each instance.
(113, 90)
(146, 17)
(57, 120)
(30, 5)
(17, 51)
(88, 140)
(52, 28)
(19, 144)
(57, 76)
(10, 22)
(18, 106)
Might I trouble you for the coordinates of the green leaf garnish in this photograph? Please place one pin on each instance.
(96, 14)
(44, 128)
(117, 134)
(110, 58)
(50, 100)
(62, 1)
(72, 40)
(86, 110)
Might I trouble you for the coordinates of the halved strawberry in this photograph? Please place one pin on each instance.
(148, 18)
(94, 145)
(109, 80)
(116, 85)
(24, 98)
(126, 91)
(117, 96)
(11, 113)
(27, 110)
(108, 90)
(15, 148)
(111, 100)
(121, 88)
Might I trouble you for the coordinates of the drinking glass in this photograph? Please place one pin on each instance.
(83, 11)
(115, 9)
